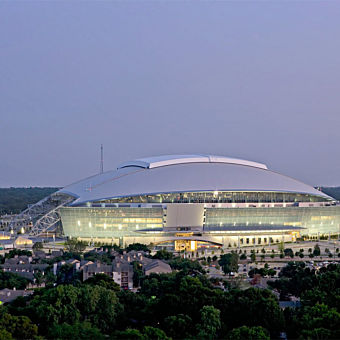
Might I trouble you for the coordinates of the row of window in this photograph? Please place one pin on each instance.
(219, 197)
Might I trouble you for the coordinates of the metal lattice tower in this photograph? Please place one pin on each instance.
(101, 159)
(42, 216)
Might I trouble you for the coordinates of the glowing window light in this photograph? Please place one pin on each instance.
(78, 223)
(137, 226)
(119, 226)
(104, 225)
(192, 245)
(215, 193)
(233, 205)
(90, 224)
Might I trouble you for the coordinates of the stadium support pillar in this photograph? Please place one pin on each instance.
(238, 241)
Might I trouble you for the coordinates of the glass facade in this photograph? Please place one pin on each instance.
(219, 197)
(314, 219)
(109, 222)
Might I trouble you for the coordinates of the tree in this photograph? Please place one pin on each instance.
(210, 323)
(316, 251)
(103, 280)
(137, 247)
(137, 273)
(178, 326)
(38, 246)
(252, 307)
(281, 246)
(186, 265)
(249, 333)
(20, 327)
(252, 257)
(79, 331)
(12, 253)
(229, 262)
(128, 334)
(38, 277)
(4, 335)
(164, 255)
(153, 333)
(70, 304)
(318, 317)
(75, 246)
(289, 252)
(11, 280)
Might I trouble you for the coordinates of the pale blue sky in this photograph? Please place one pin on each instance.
(254, 80)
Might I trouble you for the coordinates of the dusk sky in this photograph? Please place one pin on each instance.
(252, 80)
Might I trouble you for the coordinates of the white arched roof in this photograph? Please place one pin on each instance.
(168, 174)
(158, 161)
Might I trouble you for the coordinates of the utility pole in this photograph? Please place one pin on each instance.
(101, 159)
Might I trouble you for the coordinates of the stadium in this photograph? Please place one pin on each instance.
(190, 201)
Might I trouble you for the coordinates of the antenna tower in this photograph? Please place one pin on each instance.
(101, 159)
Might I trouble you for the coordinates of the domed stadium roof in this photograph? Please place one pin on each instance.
(184, 173)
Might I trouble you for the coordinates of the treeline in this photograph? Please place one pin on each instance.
(14, 200)
(332, 191)
(319, 291)
(182, 305)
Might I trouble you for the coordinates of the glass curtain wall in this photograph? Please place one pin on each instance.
(219, 197)
(314, 219)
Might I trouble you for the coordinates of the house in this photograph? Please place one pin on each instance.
(26, 270)
(22, 241)
(11, 243)
(120, 271)
(97, 268)
(7, 244)
(39, 255)
(123, 273)
(72, 262)
(158, 267)
(8, 295)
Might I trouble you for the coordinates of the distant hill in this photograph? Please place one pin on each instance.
(14, 200)
(332, 191)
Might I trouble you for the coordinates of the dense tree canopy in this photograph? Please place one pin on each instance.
(11, 280)
(14, 200)
(184, 304)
